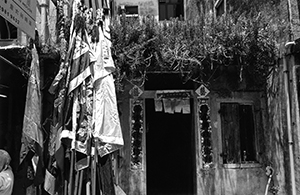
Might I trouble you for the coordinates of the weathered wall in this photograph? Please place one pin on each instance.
(218, 179)
(145, 8)
(276, 136)
(193, 9)
(234, 179)
(123, 158)
(130, 179)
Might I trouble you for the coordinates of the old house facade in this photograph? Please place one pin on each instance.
(240, 142)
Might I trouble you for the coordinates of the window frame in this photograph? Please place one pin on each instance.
(10, 29)
(240, 164)
(217, 5)
(127, 10)
(167, 2)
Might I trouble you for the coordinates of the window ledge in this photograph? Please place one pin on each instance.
(242, 166)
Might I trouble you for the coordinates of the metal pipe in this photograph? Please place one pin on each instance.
(291, 34)
(269, 173)
(288, 100)
(289, 123)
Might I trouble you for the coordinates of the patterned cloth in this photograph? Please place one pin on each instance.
(32, 130)
(6, 174)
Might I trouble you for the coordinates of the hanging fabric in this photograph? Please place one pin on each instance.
(173, 105)
(172, 101)
(105, 116)
(32, 133)
(32, 130)
(86, 120)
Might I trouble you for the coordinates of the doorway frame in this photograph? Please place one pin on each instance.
(197, 161)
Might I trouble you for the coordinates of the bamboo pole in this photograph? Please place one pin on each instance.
(76, 183)
(80, 182)
(71, 172)
(93, 173)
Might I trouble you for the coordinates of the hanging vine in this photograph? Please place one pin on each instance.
(242, 48)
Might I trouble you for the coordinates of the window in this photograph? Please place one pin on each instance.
(170, 9)
(238, 133)
(220, 7)
(130, 11)
(7, 30)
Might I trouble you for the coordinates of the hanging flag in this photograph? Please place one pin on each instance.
(32, 135)
(32, 130)
(49, 184)
(80, 67)
(105, 113)
(82, 94)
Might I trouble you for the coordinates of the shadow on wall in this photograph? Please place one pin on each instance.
(276, 136)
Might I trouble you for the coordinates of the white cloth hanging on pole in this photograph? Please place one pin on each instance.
(107, 126)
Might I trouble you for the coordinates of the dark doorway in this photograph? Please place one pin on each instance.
(170, 152)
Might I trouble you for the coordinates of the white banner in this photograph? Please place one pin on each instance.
(21, 13)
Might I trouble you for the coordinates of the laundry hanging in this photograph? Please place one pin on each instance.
(173, 105)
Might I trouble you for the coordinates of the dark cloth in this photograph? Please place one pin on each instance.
(106, 175)
(24, 176)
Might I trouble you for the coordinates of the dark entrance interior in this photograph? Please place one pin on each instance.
(169, 152)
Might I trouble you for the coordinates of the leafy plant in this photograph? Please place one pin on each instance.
(241, 48)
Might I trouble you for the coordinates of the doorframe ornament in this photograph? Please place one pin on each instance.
(136, 133)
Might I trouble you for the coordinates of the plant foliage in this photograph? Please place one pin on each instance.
(242, 48)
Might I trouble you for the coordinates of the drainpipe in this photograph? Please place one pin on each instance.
(286, 64)
(44, 4)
